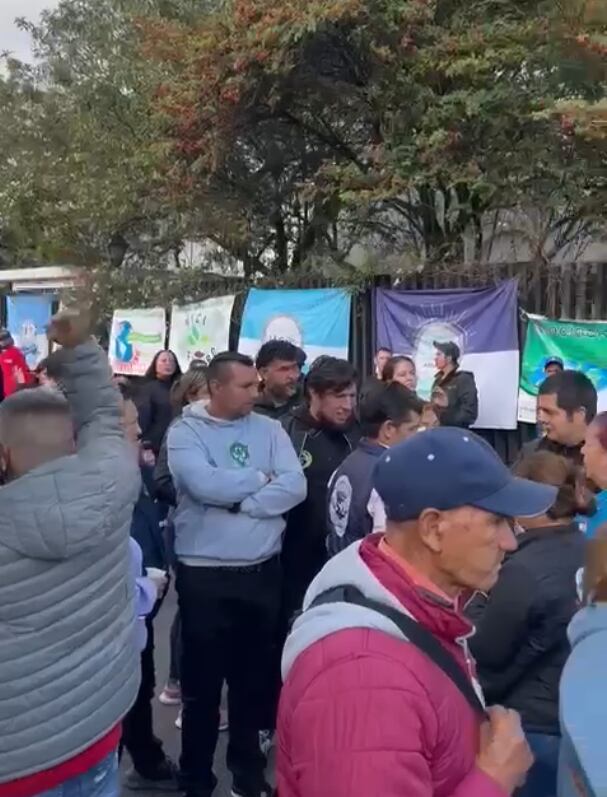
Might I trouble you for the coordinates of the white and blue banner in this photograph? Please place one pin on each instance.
(315, 319)
(27, 317)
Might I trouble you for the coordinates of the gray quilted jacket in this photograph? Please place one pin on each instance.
(69, 668)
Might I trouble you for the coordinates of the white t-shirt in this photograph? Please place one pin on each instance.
(376, 509)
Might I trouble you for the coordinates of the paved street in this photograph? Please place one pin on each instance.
(164, 716)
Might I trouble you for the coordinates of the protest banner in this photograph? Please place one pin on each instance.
(200, 330)
(579, 344)
(483, 323)
(315, 319)
(28, 317)
(136, 336)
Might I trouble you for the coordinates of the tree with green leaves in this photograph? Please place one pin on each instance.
(84, 159)
(409, 125)
(292, 135)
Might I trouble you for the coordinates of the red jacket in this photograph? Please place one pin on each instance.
(13, 369)
(363, 712)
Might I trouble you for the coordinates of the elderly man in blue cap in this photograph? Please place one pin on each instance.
(380, 694)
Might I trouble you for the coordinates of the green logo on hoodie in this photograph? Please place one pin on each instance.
(239, 453)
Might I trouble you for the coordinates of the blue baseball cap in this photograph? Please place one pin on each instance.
(447, 468)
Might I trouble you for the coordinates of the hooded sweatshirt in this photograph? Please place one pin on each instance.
(583, 765)
(364, 712)
(13, 368)
(234, 482)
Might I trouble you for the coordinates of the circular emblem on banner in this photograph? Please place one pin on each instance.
(283, 327)
(239, 453)
(339, 505)
(305, 459)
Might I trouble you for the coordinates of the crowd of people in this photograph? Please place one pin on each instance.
(333, 545)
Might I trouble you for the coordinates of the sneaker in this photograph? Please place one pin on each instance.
(179, 720)
(163, 780)
(170, 695)
(266, 741)
(262, 790)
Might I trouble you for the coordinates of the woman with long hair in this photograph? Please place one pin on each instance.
(521, 645)
(400, 368)
(189, 388)
(153, 401)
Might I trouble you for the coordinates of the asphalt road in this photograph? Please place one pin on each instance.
(164, 716)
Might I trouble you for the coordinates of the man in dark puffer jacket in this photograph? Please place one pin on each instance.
(68, 659)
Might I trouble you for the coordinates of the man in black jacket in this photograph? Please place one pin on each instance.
(389, 414)
(454, 393)
(279, 365)
(566, 404)
(323, 431)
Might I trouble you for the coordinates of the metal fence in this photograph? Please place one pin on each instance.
(562, 290)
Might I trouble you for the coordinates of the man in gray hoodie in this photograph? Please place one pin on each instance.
(236, 473)
(69, 665)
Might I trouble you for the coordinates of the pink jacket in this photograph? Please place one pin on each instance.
(365, 713)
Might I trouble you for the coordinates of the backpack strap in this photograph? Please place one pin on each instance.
(415, 633)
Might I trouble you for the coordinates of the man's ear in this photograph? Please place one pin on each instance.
(386, 431)
(430, 532)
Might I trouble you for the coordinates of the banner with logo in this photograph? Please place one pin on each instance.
(201, 330)
(483, 323)
(136, 336)
(315, 319)
(28, 317)
(581, 345)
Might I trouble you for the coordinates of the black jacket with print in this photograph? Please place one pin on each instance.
(321, 450)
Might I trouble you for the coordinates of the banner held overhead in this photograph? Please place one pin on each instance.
(315, 319)
(135, 338)
(579, 344)
(483, 323)
(201, 330)
(27, 319)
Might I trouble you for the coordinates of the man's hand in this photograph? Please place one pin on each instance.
(504, 753)
(69, 328)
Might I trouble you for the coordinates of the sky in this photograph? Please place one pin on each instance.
(10, 37)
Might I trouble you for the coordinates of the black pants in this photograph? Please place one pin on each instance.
(229, 619)
(137, 727)
(175, 653)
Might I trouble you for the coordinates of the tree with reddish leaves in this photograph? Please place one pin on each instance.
(292, 134)
(311, 126)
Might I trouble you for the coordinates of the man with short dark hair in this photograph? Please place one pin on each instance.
(323, 431)
(553, 365)
(279, 365)
(566, 404)
(382, 355)
(389, 414)
(454, 393)
(235, 475)
(380, 695)
(69, 665)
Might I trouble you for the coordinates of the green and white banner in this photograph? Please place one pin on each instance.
(582, 345)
